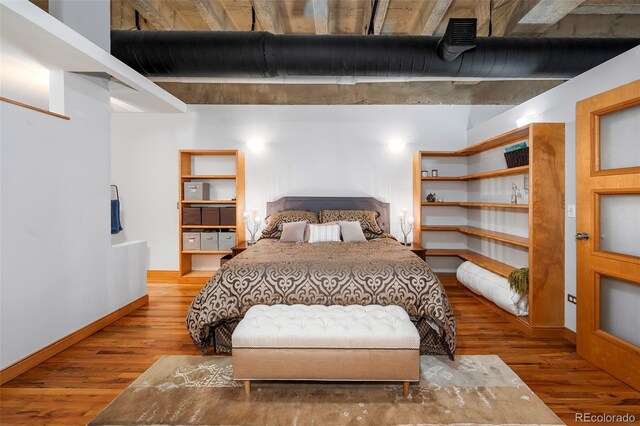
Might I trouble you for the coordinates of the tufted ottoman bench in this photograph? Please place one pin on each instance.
(316, 342)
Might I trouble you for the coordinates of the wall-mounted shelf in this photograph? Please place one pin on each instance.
(206, 252)
(485, 262)
(224, 177)
(485, 175)
(208, 201)
(476, 205)
(208, 226)
(545, 242)
(479, 232)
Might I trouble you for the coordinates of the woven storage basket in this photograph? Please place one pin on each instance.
(517, 158)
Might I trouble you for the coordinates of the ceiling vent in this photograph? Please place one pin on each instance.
(459, 37)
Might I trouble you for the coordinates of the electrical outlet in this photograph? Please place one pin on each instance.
(571, 210)
(572, 299)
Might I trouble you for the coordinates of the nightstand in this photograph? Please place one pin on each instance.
(239, 248)
(418, 250)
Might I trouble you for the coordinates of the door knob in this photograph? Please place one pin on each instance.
(582, 236)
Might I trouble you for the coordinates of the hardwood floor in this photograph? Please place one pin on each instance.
(72, 387)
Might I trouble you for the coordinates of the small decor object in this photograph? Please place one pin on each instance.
(519, 281)
(116, 225)
(515, 193)
(253, 222)
(431, 198)
(517, 155)
(434, 172)
(440, 200)
(406, 225)
(425, 173)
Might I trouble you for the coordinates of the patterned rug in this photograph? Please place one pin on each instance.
(195, 390)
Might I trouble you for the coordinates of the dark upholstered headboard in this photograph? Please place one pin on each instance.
(315, 204)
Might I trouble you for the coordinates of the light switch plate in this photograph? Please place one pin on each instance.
(571, 210)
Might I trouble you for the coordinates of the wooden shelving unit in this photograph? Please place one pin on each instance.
(479, 232)
(545, 243)
(476, 205)
(224, 177)
(209, 227)
(485, 175)
(186, 174)
(208, 201)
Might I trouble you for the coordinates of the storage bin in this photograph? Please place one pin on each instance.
(191, 216)
(211, 216)
(196, 191)
(517, 158)
(226, 241)
(227, 216)
(190, 241)
(209, 241)
(224, 259)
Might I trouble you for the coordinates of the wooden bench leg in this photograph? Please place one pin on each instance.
(247, 388)
(405, 388)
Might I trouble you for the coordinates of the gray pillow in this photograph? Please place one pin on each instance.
(293, 232)
(352, 232)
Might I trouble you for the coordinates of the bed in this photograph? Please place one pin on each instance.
(380, 271)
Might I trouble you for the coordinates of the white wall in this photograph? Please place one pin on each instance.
(310, 150)
(55, 250)
(558, 105)
(92, 18)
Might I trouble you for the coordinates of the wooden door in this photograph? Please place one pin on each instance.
(608, 226)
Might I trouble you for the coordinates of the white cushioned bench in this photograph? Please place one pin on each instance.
(316, 342)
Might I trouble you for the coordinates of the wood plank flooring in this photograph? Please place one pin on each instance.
(72, 387)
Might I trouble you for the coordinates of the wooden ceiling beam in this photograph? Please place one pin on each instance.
(321, 16)
(549, 12)
(507, 13)
(215, 15)
(160, 14)
(268, 15)
(381, 14)
(367, 10)
(430, 16)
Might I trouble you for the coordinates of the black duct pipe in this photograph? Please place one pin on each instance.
(260, 54)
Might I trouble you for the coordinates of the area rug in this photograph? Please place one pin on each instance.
(196, 390)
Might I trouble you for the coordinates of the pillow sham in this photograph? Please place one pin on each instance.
(273, 227)
(368, 219)
(324, 233)
(293, 232)
(352, 232)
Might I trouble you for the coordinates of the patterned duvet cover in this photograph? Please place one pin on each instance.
(380, 271)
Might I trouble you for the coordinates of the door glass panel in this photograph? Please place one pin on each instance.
(619, 224)
(619, 313)
(620, 139)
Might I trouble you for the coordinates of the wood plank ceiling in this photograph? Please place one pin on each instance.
(513, 18)
(585, 18)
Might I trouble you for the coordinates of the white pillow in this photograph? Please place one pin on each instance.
(352, 232)
(324, 233)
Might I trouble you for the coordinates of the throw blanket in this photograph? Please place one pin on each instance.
(377, 272)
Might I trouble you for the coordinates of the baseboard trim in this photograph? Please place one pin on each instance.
(570, 335)
(17, 368)
(159, 276)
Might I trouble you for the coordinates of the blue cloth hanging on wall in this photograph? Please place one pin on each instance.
(116, 226)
